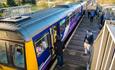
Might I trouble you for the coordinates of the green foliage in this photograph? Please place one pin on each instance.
(5, 5)
(11, 3)
(33, 1)
(18, 3)
(1, 14)
(2, 5)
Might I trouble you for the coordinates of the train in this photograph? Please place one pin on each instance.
(26, 40)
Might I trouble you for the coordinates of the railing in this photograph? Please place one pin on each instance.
(104, 48)
(15, 11)
(94, 49)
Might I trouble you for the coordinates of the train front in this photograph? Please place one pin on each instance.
(11, 47)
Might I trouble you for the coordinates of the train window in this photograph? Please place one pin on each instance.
(18, 55)
(77, 14)
(67, 21)
(42, 44)
(3, 54)
(74, 15)
(11, 49)
(62, 27)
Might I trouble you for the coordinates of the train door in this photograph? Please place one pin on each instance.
(53, 32)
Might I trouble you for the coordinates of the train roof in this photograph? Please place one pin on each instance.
(30, 24)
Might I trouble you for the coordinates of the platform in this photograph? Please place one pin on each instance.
(73, 54)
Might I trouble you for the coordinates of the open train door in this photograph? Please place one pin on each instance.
(53, 32)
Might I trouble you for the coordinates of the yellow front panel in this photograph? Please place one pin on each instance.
(2, 67)
(31, 60)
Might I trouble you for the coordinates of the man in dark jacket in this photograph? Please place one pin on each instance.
(59, 50)
(102, 19)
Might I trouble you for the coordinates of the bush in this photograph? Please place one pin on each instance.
(1, 14)
(1, 6)
(11, 3)
(5, 5)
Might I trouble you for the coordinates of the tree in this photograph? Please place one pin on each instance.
(11, 3)
(23, 1)
(33, 1)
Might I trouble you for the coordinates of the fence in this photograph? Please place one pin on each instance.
(15, 11)
(104, 48)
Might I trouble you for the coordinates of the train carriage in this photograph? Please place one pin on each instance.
(26, 41)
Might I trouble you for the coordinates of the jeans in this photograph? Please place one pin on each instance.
(60, 60)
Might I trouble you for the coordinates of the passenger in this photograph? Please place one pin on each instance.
(88, 41)
(59, 51)
(19, 49)
(44, 45)
(102, 20)
(97, 11)
(88, 14)
(39, 49)
(92, 15)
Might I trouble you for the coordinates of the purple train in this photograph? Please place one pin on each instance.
(26, 41)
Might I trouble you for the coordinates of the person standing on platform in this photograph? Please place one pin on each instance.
(102, 19)
(88, 13)
(59, 51)
(97, 11)
(92, 14)
(88, 42)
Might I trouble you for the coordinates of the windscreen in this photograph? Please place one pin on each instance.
(11, 49)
